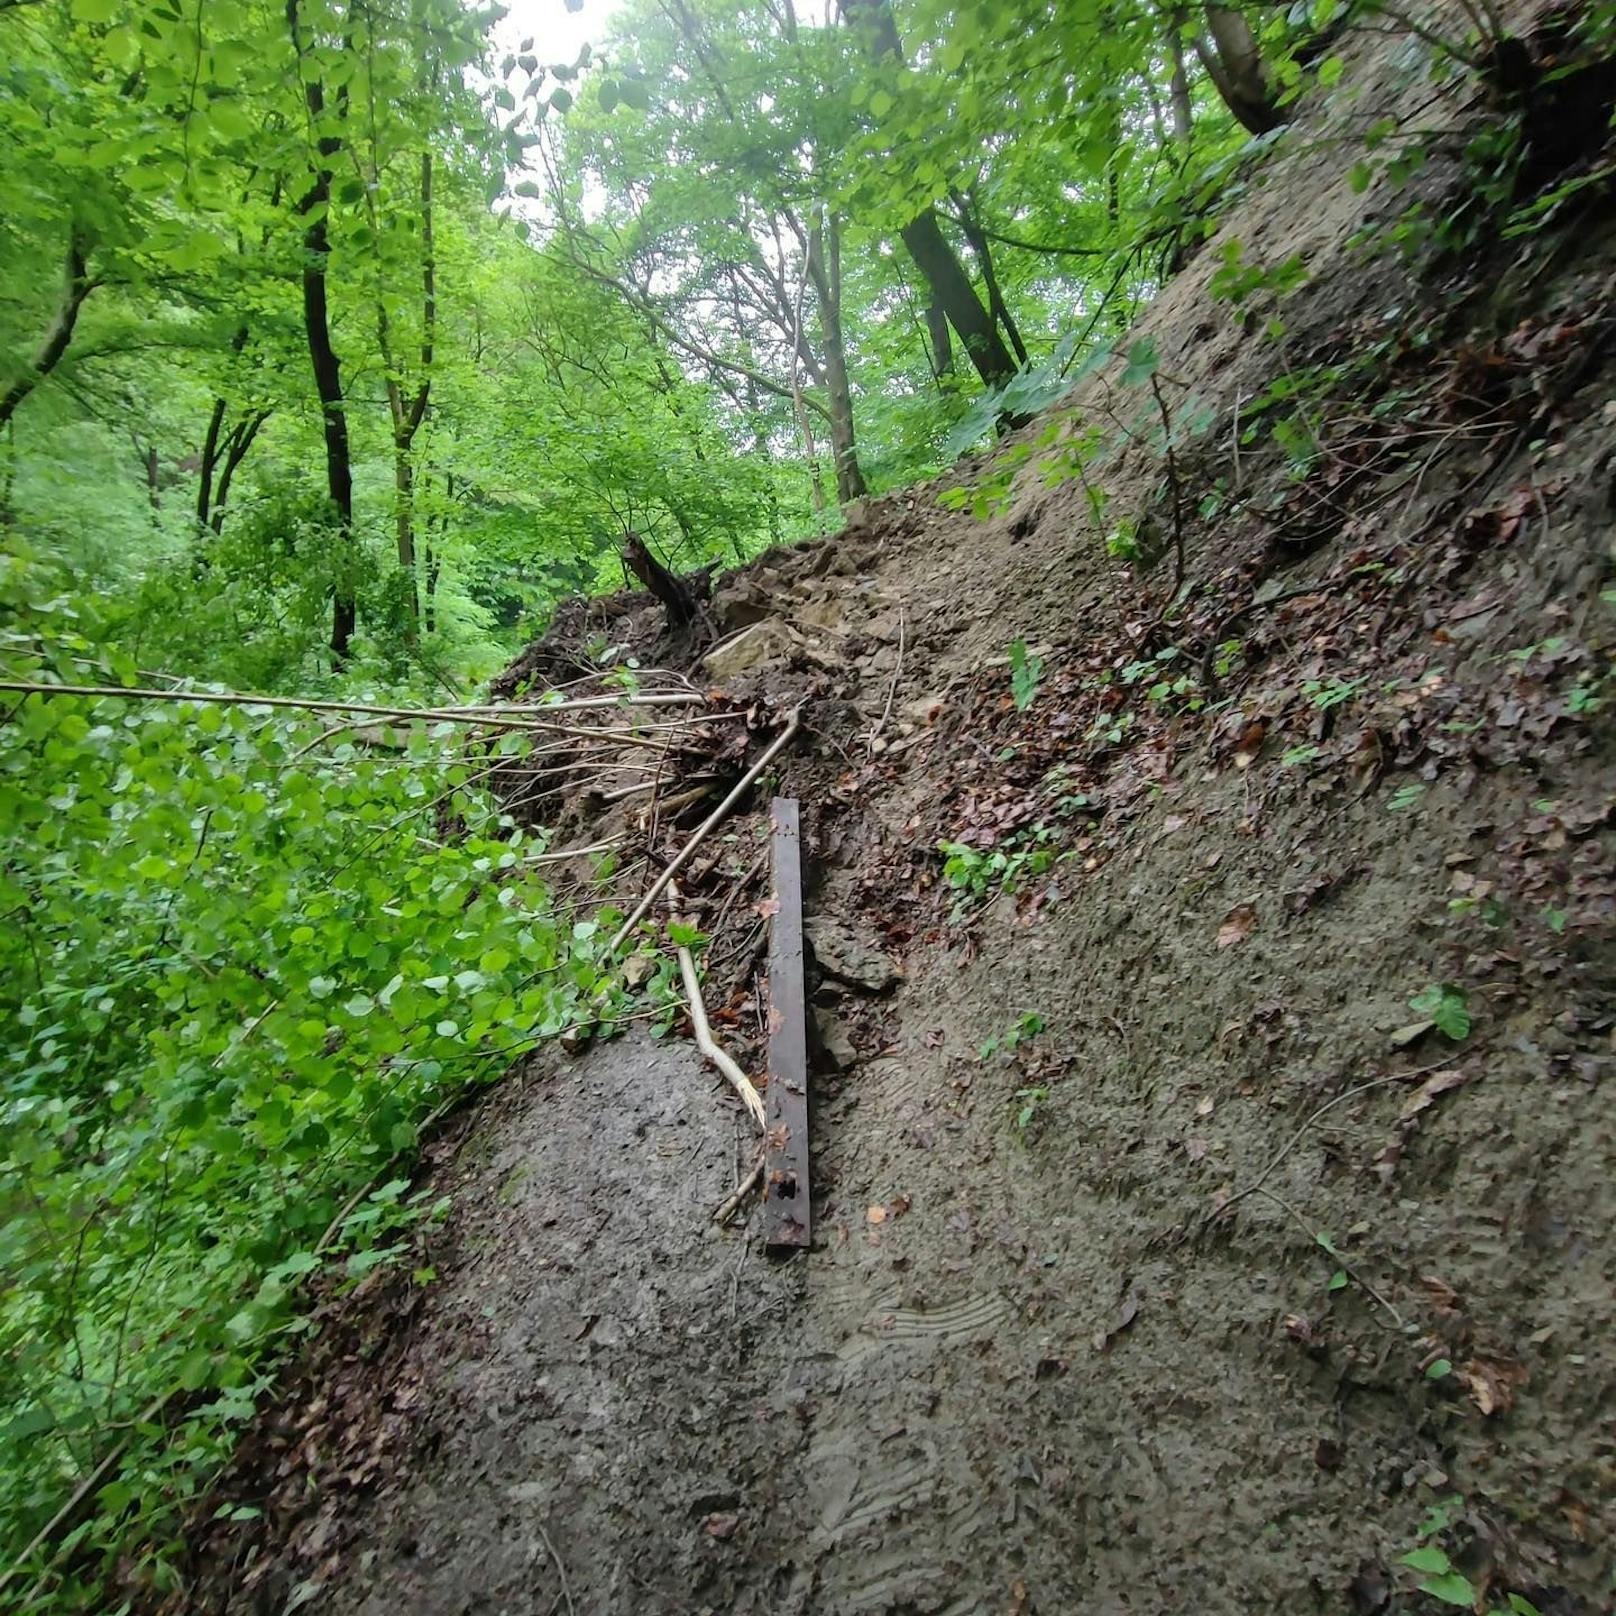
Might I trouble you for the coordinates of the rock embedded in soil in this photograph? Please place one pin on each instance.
(844, 956)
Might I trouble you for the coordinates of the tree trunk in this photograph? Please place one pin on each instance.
(1235, 66)
(315, 207)
(923, 236)
(983, 251)
(825, 268)
(951, 286)
(942, 350)
(79, 286)
(671, 591)
(1179, 87)
(239, 442)
(407, 419)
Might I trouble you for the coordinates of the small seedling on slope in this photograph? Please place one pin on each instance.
(1026, 674)
(1447, 1007)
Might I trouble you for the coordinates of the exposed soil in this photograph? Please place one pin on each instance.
(1116, 1316)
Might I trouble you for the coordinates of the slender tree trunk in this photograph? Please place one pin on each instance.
(983, 252)
(825, 269)
(236, 447)
(1178, 85)
(78, 287)
(1235, 66)
(407, 419)
(315, 208)
(923, 236)
(942, 349)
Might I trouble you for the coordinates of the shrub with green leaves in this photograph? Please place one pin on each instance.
(243, 958)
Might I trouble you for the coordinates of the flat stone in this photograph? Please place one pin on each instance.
(835, 1046)
(842, 954)
(768, 641)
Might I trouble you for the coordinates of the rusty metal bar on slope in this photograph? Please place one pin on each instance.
(785, 1161)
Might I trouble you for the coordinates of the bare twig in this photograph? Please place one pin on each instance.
(732, 1204)
(561, 1570)
(706, 828)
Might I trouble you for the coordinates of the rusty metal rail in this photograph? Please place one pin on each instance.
(785, 1162)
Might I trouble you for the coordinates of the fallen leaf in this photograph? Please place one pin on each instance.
(1327, 1454)
(1204, 1109)
(1423, 1098)
(721, 1526)
(1125, 1315)
(898, 1205)
(1492, 1384)
(876, 1214)
(1250, 744)
(1444, 1298)
(1404, 1036)
(1237, 925)
(1195, 1147)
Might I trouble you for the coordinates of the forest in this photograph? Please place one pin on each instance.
(341, 343)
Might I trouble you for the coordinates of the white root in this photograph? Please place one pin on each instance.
(709, 1046)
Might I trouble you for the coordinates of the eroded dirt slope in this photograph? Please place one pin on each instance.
(1221, 1279)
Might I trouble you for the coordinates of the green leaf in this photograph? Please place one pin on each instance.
(561, 98)
(881, 103)
(1143, 360)
(1439, 1370)
(1452, 1589)
(1430, 1559)
(1446, 1006)
(608, 95)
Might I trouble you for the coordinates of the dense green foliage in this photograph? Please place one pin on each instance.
(340, 340)
(243, 957)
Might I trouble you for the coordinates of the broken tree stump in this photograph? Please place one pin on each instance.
(672, 591)
(785, 1160)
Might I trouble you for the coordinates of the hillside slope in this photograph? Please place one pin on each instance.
(1213, 1174)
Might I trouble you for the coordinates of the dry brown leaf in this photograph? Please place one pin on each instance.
(1492, 1384)
(1237, 925)
(1427, 1094)
(1250, 743)
(876, 1214)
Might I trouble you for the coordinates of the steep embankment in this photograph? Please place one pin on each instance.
(1167, 1256)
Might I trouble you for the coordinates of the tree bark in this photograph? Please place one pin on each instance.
(78, 287)
(1235, 66)
(1178, 84)
(407, 418)
(997, 307)
(671, 591)
(934, 257)
(239, 442)
(315, 208)
(825, 270)
(942, 350)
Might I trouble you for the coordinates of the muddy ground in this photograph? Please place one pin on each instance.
(1221, 1279)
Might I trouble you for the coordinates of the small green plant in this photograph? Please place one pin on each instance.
(1026, 674)
(1029, 1024)
(1405, 796)
(1447, 1007)
(1027, 1102)
(1325, 694)
(1297, 756)
(974, 873)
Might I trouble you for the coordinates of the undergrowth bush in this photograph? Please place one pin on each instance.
(243, 959)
